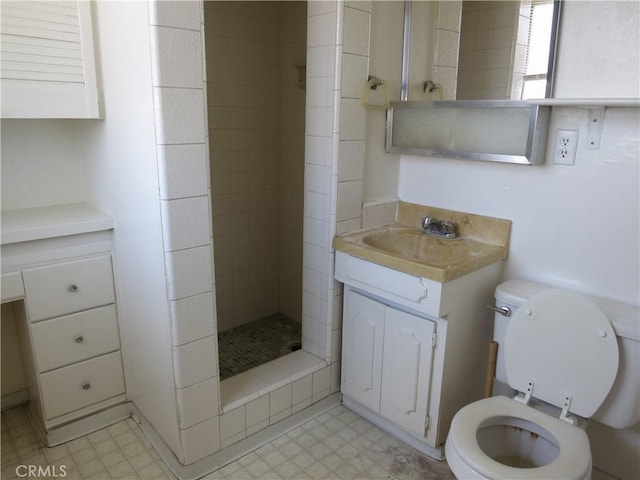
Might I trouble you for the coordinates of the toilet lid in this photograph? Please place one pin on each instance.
(563, 343)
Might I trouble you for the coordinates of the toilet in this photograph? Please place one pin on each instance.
(568, 358)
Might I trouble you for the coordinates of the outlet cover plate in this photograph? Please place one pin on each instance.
(565, 146)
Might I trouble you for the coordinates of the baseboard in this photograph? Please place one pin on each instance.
(233, 452)
(14, 399)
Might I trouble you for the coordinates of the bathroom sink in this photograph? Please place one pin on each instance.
(405, 247)
(418, 246)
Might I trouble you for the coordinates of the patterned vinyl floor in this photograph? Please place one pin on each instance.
(247, 346)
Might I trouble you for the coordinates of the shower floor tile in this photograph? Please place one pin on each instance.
(247, 346)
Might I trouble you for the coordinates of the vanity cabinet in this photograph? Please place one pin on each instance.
(414, 350)
(387, 360)
(57, 269)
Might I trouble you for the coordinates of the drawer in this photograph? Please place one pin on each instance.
(82, 384)
(11, 286)
(63, 288)
(65, 340)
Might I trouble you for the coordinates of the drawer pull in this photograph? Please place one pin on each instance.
(79, 339)
(86, 386)
(72, 288)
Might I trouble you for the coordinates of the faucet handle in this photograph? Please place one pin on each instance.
(426, 221)
(448, 227)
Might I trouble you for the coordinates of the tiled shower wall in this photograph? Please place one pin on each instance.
(494, 36)
(256, 126)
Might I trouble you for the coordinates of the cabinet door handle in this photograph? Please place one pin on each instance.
(86, 386)
(72, 288)
(79, 339)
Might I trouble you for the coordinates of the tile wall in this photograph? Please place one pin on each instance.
(491, 41)
(256, 126)
(176, 37)
(445, 59)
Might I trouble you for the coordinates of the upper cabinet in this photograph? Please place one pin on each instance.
(48, 67)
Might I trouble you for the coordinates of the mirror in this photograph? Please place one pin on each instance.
(479, 50)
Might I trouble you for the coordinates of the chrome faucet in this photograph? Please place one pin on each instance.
(438, 228)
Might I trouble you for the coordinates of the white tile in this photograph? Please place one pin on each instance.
(321, 61)
(192, 318)
(177, 57)
(257, 427)
(198, 402)
(353, 120)
(356, 31)
(449, 15)
(195, 361)
(271, 375)
(247, 382)
(364, 5)
(351, 163)
(279, 400)
(230, 397)
(301, 390)
(321, 29)
(257, 411)
(182, 171)
(200, 440)
(314, 205)
(176, 13)
(349, 200)
(273, 419)
(355, 69)
(319, 8)
(233, 439)
(321, 380)
(232, 423)
(346, 226)
(295, 408)
(179, 115)
(184, 222)
(189, 272)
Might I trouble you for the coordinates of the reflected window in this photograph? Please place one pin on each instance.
(537, 59)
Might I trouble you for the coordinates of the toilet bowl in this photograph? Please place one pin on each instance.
(560, 354)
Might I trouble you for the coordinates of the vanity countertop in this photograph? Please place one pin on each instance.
(29, 224)
(402, 246)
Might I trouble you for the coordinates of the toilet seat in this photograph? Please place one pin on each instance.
(574, 457)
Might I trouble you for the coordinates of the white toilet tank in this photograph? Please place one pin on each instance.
(621, 408)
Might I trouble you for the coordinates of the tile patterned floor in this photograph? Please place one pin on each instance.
(337, 445)
(247, 346)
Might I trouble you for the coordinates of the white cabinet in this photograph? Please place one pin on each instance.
(414, 350)
(387, 356)
(57, 262)
(362, 337)
(406, 369)
(71, 330)
(47, 60)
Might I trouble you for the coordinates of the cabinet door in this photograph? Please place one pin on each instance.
(363, 327)
(406, 371)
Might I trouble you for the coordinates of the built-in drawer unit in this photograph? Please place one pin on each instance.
(69, 287)
(57, 261)
(81, 384)
(74, 338)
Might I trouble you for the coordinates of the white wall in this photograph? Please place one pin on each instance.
(119, 155)
(562, 216)
(40, 163)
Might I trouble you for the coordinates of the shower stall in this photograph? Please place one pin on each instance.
(255, 61)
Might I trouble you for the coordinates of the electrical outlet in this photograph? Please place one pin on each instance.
(564, 148)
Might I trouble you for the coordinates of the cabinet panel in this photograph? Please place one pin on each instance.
(363, 328)
(406, 370)
(68, 287)
(82, 384)
(76, 337)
